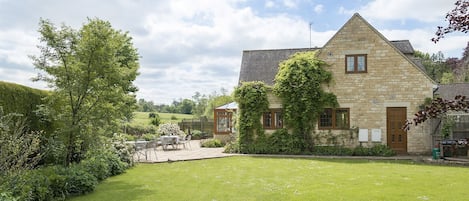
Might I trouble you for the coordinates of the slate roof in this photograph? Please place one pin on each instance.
(404, 46)
(449, 91)
(262, 65)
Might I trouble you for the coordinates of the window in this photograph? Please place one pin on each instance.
(334, 119)
(355, 63)
(273, 119)
(223, 122)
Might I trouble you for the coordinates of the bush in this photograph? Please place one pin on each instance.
(122, 150)
(196, 134)
(212, 143)
(173, 117)
(232, 147)
(381, 150)
(30, 185)
(170, 129)
(6, 196)
(139, 129)
(149, 137)
(79, 181)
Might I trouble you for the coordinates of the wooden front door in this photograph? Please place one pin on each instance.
(396, 136)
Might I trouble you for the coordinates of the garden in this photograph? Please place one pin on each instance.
(265, 178)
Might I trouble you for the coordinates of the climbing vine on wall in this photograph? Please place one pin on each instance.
(299, 84)
(252, 103)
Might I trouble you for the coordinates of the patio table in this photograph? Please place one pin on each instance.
(172, 140)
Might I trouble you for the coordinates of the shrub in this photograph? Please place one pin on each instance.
(149, 137)
(122, 150)
(170, 129)
(173, 117)
(79, 181)
(6, 196)
(332, 151)
(30, 185)
(381, 150)
(212, 143)
(196, 134)
(232, 147)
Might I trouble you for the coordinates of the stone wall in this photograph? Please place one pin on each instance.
(391, 81)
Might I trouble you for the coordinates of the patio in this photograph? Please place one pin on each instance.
(192, 152)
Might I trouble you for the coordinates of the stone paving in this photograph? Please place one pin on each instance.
(195, 152)
(190, 152)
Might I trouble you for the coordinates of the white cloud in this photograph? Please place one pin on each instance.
(318, 8)
(269, 4)
(290, 3)
(420, 10)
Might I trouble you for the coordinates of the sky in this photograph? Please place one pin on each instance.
(189, 46)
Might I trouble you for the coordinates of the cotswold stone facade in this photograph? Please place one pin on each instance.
(392, 80)
(376, 80)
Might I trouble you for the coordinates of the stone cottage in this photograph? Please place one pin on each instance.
(377, 82)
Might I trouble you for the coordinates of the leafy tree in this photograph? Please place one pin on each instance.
(434, 64)
(458, 19)
(186, 106)
(201, 102)
(437, 109)
(216, 101)
(91, 71)
(299, 83)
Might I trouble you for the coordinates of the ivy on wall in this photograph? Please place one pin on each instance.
(299, 85)
(252, 103)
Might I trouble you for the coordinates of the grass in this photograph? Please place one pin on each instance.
(259, 178)
(141, 118)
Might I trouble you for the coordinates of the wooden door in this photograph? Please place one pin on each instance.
(396, 136)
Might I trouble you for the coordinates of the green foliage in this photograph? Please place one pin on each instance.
(139, 130)
(332, 151)
(216, 101)
(19, 148)
(282, 142)
(123, 150)
(252, 103)
(92, 72)
(173, 117)
(23, 100)
(212, 143)
(299, 84)
(155, 119)
(434, 64)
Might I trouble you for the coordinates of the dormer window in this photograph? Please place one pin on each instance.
(355, 63)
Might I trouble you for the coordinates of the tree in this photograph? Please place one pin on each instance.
(216, 101)
(299, 84)
(91, 71)
(437, 108)
(186, 106)
(434, 64)
(458, 19)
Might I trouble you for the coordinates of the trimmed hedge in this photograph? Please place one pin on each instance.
(15, 98)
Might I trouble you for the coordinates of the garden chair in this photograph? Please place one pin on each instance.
(153, 145)
(140, 148)
(185, 140)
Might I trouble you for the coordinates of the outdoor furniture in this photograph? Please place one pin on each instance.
(167, 140)
(185, 140)
(139, 147)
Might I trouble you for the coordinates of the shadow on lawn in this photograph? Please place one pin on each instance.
(118, 190)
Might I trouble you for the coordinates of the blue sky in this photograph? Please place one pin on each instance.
(189, 46)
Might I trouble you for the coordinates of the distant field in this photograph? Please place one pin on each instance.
(141, 118)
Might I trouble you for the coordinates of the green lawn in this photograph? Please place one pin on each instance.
(141, 118)
(260, 178)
